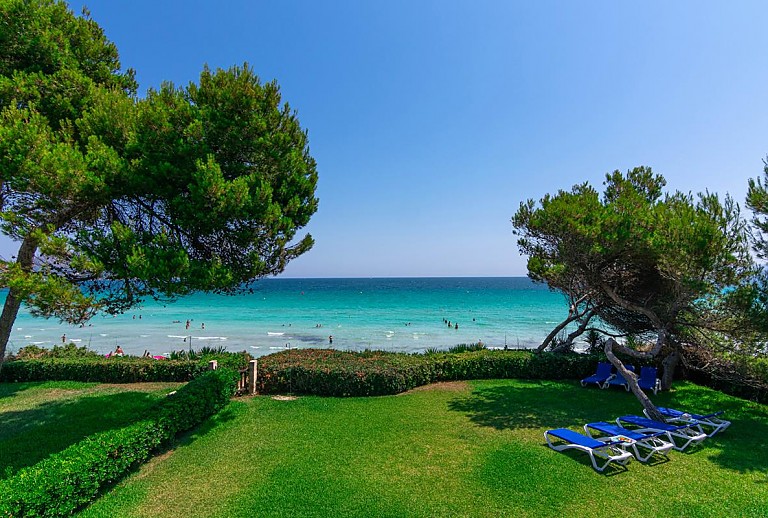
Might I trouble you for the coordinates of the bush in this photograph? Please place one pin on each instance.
(52, 366)
(70, 479)
(375, 373)
(104, 370)
(740, 375)
(69, 350)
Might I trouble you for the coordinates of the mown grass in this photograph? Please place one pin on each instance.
(41, 418)
(459, 449)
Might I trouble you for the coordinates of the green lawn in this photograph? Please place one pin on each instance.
(37, 419)
(463, 449)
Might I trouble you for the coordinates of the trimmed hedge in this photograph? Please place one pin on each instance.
(375, 373)
(70, 479)
(113, 370)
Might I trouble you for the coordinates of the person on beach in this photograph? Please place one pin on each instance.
(187, 324)
(63, 338)
(119, 351)
(330, 340)
(202, 326)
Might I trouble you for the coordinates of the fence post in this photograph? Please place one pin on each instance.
(252, 372)
(213, 365)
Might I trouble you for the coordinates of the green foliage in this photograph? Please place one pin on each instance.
(462, 348)
(642, 259)
(42, 418)
(662, 267)
(115, 198)
(374, 373)
(78, 364)
(70, 479)
(70, 350)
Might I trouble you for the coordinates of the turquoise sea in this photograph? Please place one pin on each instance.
(406, 314)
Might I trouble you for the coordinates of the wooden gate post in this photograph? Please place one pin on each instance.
(252, 372)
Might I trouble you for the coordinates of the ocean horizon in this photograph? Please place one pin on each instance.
(405, 314)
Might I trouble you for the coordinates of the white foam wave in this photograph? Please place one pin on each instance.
(270, 333)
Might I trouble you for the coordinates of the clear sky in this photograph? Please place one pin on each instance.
(432, 120)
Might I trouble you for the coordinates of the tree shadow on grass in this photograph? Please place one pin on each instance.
(742, 448)
(541, 404)
(8, 389)
(29, 436)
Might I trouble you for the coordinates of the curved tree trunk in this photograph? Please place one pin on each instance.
(631, 378)
(669, 363)
(13, 301)
(552, 334)
(573, 315)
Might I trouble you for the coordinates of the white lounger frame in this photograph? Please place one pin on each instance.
(651, 443)
(709, 421)
(690, 434)
(609, 452)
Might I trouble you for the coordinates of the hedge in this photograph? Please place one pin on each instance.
(70, 479)
(113, 370)
(374, 373)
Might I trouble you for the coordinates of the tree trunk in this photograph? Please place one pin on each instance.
(631, 378)
(573, 315)
(13, 300)
(551, 336)
(669, 364)
(8, 317)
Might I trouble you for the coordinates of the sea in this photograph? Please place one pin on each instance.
(393, 314)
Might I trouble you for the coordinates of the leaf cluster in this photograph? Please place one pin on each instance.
(202, 187)
(644, 259)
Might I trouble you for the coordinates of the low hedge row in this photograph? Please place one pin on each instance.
(376, 373)
(741, 376)
(68, 480)
(113, 370)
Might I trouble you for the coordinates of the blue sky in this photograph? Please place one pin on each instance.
(432, 120)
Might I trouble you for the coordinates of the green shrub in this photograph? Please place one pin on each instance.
(740, 375)
(70, 479)
(374, 373)
(127, 369)
(69, 350)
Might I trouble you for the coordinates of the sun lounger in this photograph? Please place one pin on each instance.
(717, 424)
(617, 380)
(599, 377)
(649, 380)
(650, 442)
(605, 449)
(688, 434)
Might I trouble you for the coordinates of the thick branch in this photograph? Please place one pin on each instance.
(13, 300)
(631, 378)
(655, 320)
(573, 315)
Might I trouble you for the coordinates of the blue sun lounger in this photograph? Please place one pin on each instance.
(617, 380)
(649, 380)
(601, 376)
(608, 450)
(651, 442)
(688, 434)
(717, 424)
